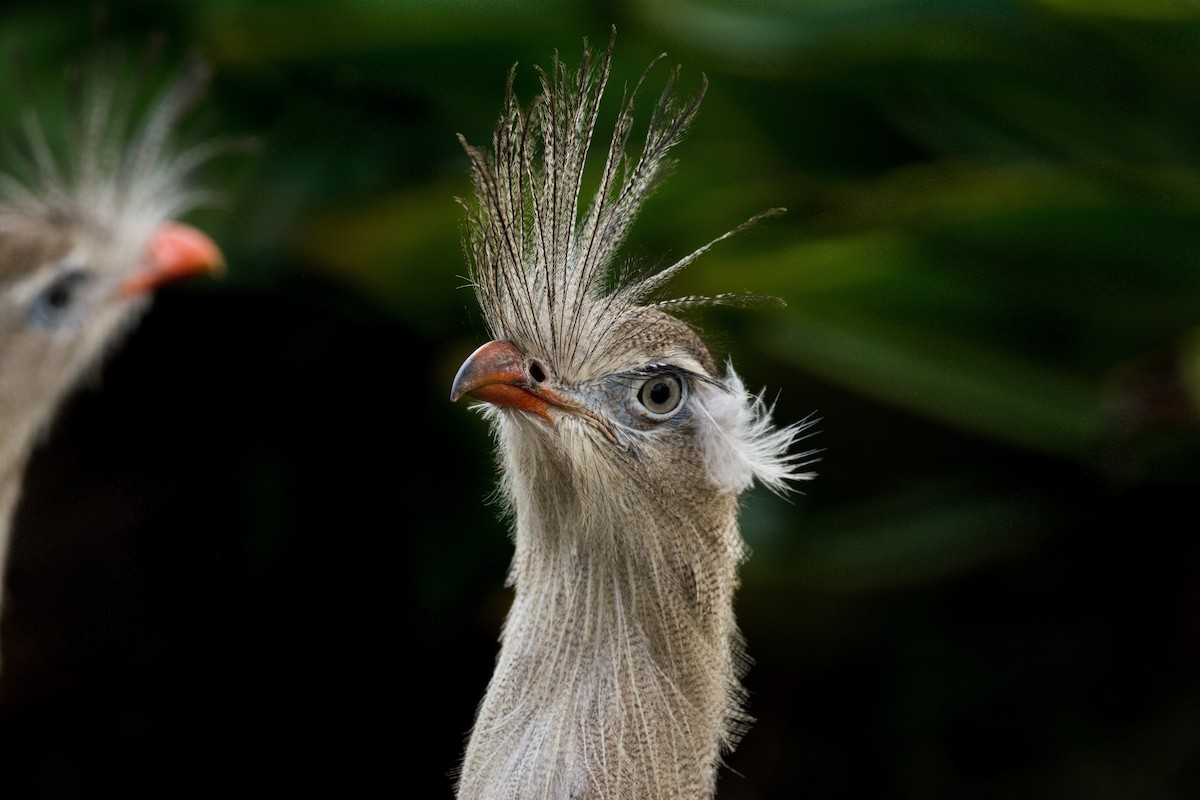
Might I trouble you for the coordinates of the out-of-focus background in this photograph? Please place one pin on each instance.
(259, 555)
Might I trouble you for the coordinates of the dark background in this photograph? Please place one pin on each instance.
(258, 555)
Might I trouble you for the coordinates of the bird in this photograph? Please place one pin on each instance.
(88, 231)
(622, 450)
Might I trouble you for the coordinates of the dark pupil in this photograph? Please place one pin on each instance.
(59, 295)
(61, 292)
(660, 393)
(55, 301)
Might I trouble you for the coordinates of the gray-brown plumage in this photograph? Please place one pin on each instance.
(622, 452)
(84, 236)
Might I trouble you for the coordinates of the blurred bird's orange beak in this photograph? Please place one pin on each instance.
(176, 251)
(497, 373)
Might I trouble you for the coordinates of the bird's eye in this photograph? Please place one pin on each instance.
(661, 395)
(54, 302)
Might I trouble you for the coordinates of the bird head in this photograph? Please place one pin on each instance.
(86, 235)
(596, 391)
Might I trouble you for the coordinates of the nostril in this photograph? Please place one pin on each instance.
(537, 372)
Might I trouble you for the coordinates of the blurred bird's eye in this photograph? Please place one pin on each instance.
(54, 303)
(661, 395)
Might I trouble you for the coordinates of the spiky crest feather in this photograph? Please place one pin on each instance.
(541, 269)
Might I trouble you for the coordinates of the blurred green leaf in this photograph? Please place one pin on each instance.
(970, 387)
(914, 536)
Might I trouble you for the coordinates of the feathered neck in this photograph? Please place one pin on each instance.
(12, 468)
(618, 673)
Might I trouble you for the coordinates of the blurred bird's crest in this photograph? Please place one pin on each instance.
(119, 166)
(541, 265)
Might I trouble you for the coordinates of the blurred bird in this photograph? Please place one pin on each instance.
(85, 235)
(622, 452)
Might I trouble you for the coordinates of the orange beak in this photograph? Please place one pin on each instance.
(176, 251)
(496, 374)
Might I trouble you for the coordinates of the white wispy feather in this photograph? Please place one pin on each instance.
(744, 444)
